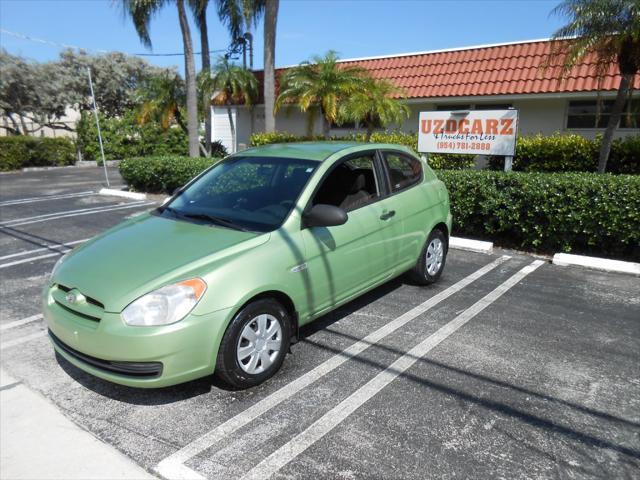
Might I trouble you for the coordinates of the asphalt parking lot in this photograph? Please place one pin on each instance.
(509, 367)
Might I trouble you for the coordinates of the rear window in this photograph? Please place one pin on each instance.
(404, 171)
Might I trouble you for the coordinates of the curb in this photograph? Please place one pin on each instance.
(596, 263)
(470, 245)
(122, 193)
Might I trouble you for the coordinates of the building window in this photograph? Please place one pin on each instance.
(594, 114)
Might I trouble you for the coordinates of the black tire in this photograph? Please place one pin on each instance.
(419, 273)
(228, 366)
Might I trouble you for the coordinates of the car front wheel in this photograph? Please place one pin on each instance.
(432, 259)
(254, 345)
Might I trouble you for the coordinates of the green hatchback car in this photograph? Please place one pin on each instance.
(220, 278)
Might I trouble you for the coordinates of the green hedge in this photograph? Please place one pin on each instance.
(556, 153)
(125, 138)
(21, 151)
(548, 212)
(162, 174)
(439, 161)
(572, 153)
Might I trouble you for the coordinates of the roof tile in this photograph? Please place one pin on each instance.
(498, 70)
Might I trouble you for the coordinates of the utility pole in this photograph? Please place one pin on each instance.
(95, 111)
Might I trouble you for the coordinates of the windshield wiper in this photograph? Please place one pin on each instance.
(213, 219)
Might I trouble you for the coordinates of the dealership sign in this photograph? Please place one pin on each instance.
(476, 132)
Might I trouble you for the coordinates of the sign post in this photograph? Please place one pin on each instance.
(473, 132)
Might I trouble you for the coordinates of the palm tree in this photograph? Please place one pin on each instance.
(199, 8)
(374, 105)
(162, 99)
(269, 84)
(141, 12)
(231, 85)
(321, 83)
(608, 30)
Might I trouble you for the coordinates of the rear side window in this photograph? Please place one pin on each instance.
(404, 171)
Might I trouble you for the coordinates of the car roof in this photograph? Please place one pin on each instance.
(317, 151)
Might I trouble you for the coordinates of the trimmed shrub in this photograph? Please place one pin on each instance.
(21, 152)
(548, 212)
(571, 153)
(162, 174)
(438, 161)
(125, 138)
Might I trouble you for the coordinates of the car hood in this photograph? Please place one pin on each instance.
(146, 252)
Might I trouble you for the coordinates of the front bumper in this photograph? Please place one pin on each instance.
(147, 357)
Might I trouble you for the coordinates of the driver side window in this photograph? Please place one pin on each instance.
(351, 185)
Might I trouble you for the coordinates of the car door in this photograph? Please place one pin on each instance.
(411, 202)
(345, 259)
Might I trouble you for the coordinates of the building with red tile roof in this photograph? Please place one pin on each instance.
(483, 77)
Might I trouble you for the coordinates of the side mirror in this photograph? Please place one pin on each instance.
(322, 215)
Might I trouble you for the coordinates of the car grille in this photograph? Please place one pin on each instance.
(130, 369)
(94, 314)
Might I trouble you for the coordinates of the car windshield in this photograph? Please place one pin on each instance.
(245, 193)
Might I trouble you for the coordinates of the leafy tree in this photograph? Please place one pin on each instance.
(321, 83)
(374, 105)
(115, 75)
(230, 85)
(35, 95)
(609, 32)
(18, 91)
(141, 12)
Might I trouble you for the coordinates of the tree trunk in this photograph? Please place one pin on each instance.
(614, 119)
(367, 137)
(232, 127)
(326, 127)
(206, 66)
(270, 21)
(190, 78)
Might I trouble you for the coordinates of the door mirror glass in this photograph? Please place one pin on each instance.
(323, 215)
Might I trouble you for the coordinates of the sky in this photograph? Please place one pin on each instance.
(354, 28)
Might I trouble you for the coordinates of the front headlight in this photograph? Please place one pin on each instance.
(164, 306)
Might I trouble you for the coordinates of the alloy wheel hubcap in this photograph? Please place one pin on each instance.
(435, 256)
(259, 344)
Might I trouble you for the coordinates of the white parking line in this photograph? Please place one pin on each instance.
(173, 466)
(44, 198)
(45, 247)
(21, 340)
(71, 213)
(33, 259)
(289, 451)
(17, 323)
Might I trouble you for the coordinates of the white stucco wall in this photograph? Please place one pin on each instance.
(536, 115)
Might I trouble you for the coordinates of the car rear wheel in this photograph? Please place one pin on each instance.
(254, 345)
(432, 259)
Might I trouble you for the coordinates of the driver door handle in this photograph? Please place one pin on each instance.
(387, 215)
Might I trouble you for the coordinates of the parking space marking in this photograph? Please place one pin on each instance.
(297, 445)
(173, 466)
(44, 198)
(70, 213)
(45, 247)
(18, 323)
(21, 340)
(33, 259)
